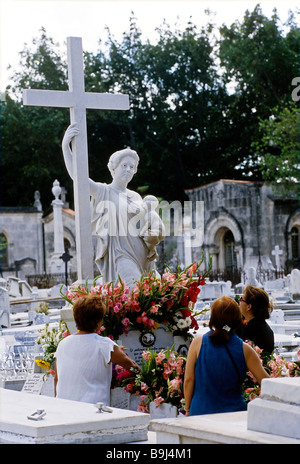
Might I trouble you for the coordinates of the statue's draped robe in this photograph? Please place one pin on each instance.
(116, 219)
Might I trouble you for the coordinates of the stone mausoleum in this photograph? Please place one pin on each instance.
(243, 223)
(27, 238)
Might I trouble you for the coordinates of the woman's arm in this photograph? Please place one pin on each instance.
(55, 378)
(254, 364)
(119, 357)
(189, 375)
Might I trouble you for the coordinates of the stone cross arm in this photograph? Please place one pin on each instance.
(67, 99)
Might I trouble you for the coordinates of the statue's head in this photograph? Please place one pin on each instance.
(117, 157)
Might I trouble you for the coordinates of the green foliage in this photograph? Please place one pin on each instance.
(279, 148)
(187, 126)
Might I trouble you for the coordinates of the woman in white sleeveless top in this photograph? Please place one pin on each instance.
(83, 366)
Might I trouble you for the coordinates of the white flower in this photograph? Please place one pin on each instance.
(188, 321)
(181, 324)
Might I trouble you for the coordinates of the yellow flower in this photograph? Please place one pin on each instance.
(43, 364)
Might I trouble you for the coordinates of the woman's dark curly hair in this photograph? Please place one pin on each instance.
(259, 300)
(88, 312)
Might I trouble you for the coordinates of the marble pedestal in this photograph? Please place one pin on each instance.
(277, 411)
(274, 418)
(67, 422)
(226, 428)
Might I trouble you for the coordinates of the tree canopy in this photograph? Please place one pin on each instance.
(197, 107)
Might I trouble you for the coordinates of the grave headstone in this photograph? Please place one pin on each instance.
(39, 384)
(4, 308)
(277, 252)
(13, 286)
(136, 342)
(251, 277)
(295, 284)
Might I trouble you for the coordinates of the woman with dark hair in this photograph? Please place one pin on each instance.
(217, 363)
(83, 365)
(256, 308)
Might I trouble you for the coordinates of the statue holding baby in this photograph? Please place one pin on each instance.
(127, 227)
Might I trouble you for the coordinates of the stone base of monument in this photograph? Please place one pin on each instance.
(119, 398)
(272, 419)
(227, 428)
(136, 342)
(277, 411)
(162, 411)
(67, 422)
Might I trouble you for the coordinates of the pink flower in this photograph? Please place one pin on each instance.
(146, 355)
(158, 401)
(154, 309)
(142, 407)
(125, 321)
(175, 385)
(160, 357)
(144, 387)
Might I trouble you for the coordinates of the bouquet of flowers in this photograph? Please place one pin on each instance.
(152, 301)
(114, 296)
(160, 379)
(275, 365)
(167, 300)
(49, 339)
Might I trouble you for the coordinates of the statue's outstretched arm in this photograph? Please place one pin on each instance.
(70, 133)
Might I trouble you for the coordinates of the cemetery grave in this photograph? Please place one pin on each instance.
(23, 388)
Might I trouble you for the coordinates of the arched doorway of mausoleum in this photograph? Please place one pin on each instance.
(223, 240)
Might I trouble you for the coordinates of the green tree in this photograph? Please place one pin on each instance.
(260, 60)
(279, 148)
(31, 136)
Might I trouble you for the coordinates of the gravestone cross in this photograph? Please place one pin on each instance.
(77, 100)
(277, 252)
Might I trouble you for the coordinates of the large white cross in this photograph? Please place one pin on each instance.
(77, 100)
(277, 252)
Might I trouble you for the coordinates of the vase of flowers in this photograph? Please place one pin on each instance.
(152, 301)
(49, 339)
(160, 381)
(275, 365)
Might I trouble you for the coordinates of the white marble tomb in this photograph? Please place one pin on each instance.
(68, 422)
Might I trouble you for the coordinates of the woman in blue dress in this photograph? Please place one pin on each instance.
(217, 363)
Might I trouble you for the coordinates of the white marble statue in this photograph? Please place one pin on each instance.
(152, 229)
(117, 215)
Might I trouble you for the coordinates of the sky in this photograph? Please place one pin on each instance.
(21, 20)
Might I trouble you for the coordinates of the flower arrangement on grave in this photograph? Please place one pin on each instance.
(114, 296)
(152, 301)
(160, 379)
(275, 365)
(49, 339)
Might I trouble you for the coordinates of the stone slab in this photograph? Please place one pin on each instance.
(277, 411)
(274, 418)
(66, 421)
(282, 389)
(227, 428)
